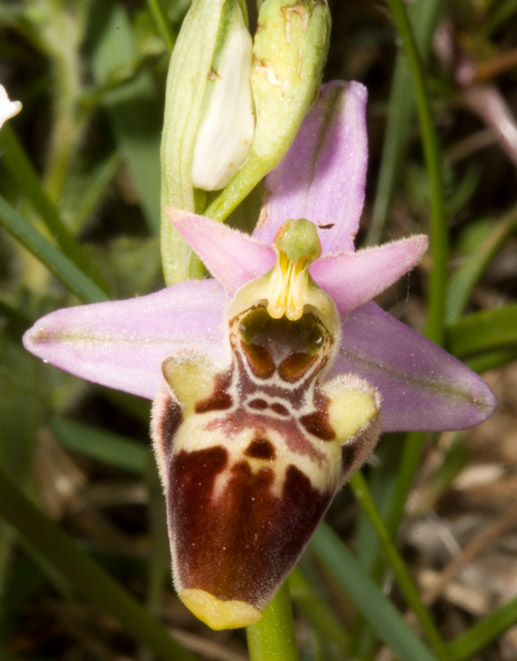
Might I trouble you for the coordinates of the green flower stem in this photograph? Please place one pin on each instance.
(23, 172)
(162, 23)
(84, 574)
(424, 16)
(65, 270)
(272, 637)
(406, 584)
(439, 245)
(439, 234)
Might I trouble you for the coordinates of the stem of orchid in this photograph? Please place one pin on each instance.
(272, 637)
(439, 235)
(424, 17)
(406, 584)
(439, 246)
(162, 23)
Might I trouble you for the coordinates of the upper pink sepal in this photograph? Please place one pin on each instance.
(322, 177)
(353, 278)
(232, 257)
(122, 344)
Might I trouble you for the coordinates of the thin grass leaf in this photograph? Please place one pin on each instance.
(162, 23)
(483, 633)
(321, 616)
(465, 278)
(93, 190)
(484, 331)
(84, 574)
(502, 12)
(23, 172)
(134, 107)
(368, 597)
(424, 16)
(490, 361)
(112, 449)
(439, 246)
(434, 166)
(65, 270)
(361, 492)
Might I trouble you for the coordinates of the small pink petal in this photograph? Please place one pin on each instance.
(232, 257)
(122, 344)
(354, 278)
(322, 177)
(423, 387)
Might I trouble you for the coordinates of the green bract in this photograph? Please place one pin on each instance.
(219, 102)
(201, 42)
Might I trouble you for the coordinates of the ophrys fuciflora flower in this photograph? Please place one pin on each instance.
(272, 381)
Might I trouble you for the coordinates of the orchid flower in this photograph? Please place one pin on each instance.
(272, 380)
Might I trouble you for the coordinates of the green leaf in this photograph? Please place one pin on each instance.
(479, 256)
(135, 107)
(25, 175)
(484, 632)
(484, 331)
(110, 448)
(368, 597)
(65, 270)
(84, 574)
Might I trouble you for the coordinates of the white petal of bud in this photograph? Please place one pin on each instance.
(8, 108)
(227, 123)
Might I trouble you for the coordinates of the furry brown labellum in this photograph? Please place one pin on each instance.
(251, 455)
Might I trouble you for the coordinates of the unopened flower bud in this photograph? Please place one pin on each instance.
(201, 91)
(289, 52)
(227, 122)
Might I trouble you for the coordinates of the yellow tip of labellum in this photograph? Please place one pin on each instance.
(216, 613)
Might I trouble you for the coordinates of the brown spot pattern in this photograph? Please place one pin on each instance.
(280, 409)
(295, 366)
(243, 543)
(260, 448)
(260, 360)
(258, 404)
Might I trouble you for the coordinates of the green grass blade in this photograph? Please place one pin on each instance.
(484, 331)
(84, 574)
(368, 597)
(424, 15)
(23, 172)
(65, 270)
(321, 616)
(481, 634)
(465, 278)
(362, 493)
(102, 445)
(491, 360)
(162, 23)
(439, 234)
(135, 107)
